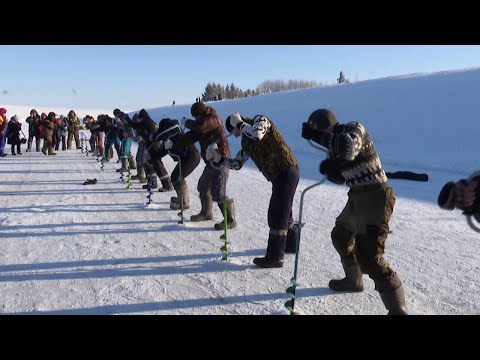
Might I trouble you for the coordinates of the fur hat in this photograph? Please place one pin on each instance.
(322, 119)
(143, 114)
(198, 109)
(166, 123)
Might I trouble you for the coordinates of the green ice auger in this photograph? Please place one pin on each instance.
(129, 177)
(291, 291)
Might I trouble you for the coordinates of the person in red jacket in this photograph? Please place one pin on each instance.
(3, 130)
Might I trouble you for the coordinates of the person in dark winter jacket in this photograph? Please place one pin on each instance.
(14, 128)
(146, 128)
(141, 150)
(187, 154)
(61, 132)
(361, 229)
(263, 143)
(208, 130)
(111, 128)
(125, 135)
(33, 122)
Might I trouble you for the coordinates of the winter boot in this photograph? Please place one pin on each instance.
(154, 182)
(140, 173)
(266, 262)
(275, 252)
(206, 212)
(166, 185)
(231, 222)
(394, 301)
(351, 282)
(292, 235)
(124, 167)
(131, 160)
(183, 191)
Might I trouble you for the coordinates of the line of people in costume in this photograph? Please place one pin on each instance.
(361, 229)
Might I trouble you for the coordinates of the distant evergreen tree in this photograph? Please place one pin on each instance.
(233, 91)
(206, 96)
(228, 92)
(272, 86)
(341, 78)
(214, 91)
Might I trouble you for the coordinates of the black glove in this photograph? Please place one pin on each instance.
(320, 137)
(446, 197)
(331, 170)
(307, 132)
(450, 197)
(474, 208)
(324, 166)
(189, 123)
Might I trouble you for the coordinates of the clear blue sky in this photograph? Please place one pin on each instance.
(137, 76)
